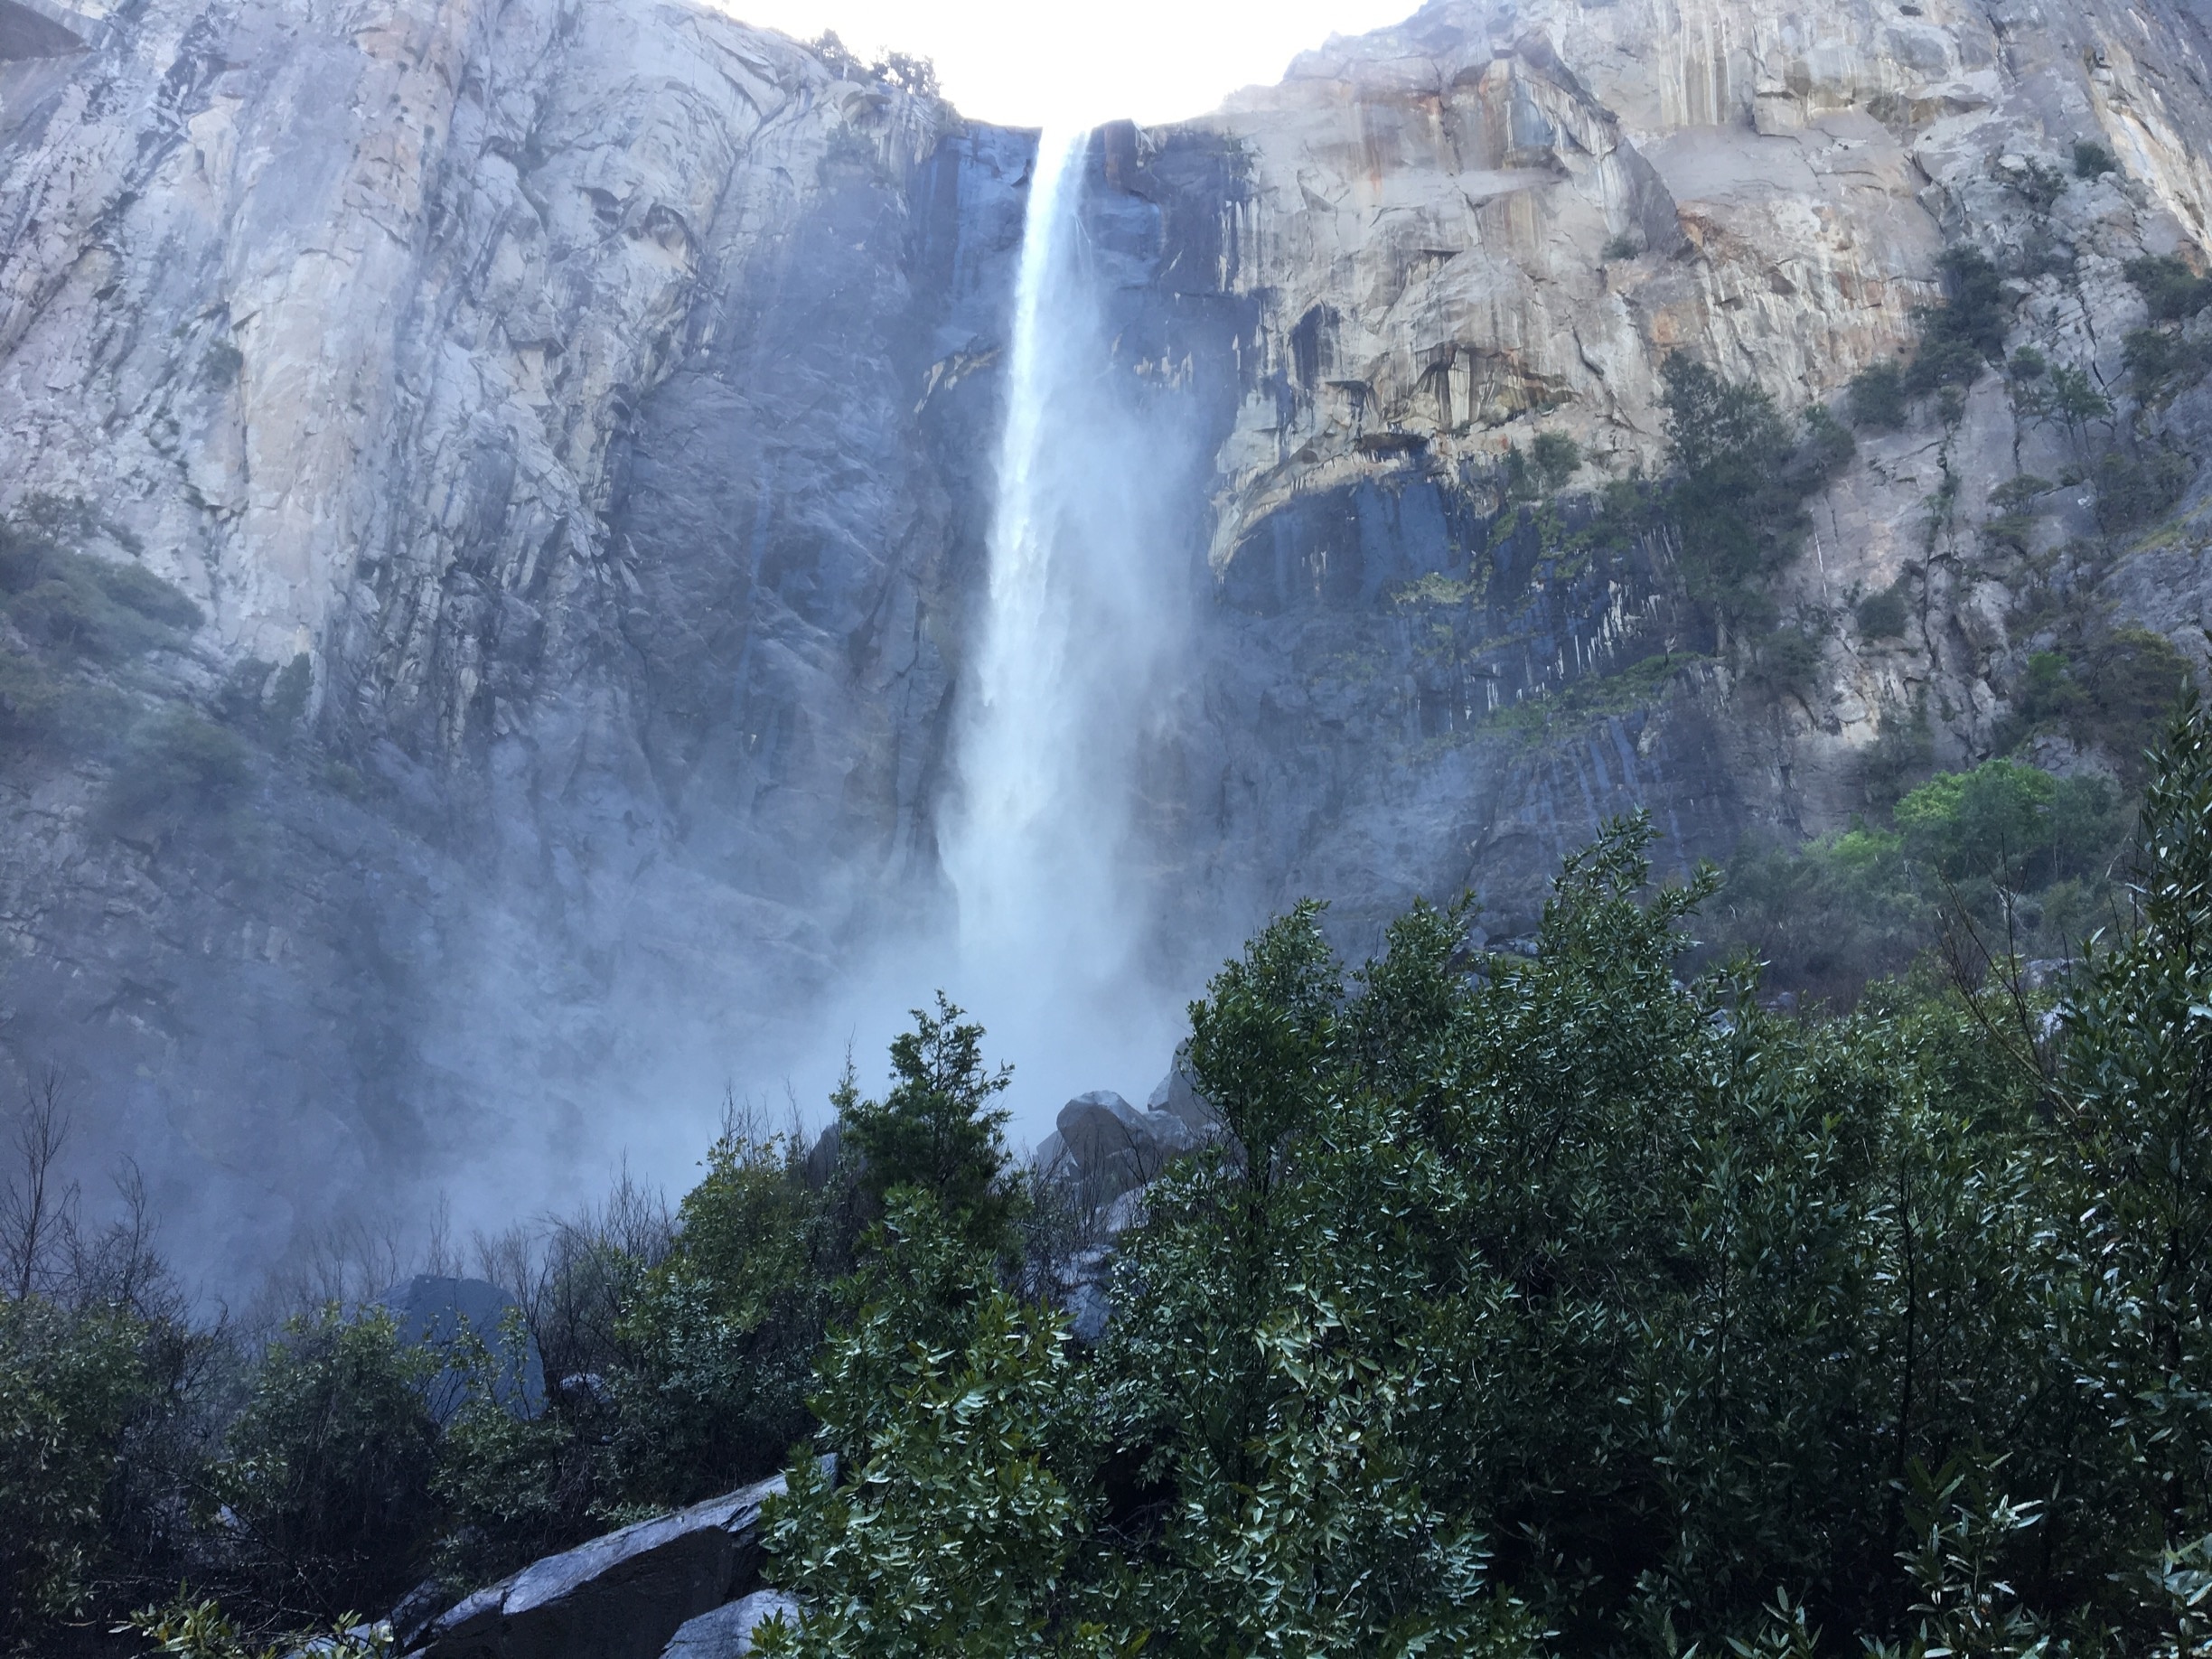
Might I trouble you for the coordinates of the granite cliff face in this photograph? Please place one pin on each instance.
(578, 389)
(1498, 218)
(589, 405)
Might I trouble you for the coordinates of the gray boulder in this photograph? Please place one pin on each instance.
(726, 1632)
(620, 1596)
(823, 1158)
(1113, 1144)
(1177, 1096)
(432, 1310)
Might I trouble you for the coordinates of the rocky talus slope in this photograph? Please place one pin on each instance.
(570, 422)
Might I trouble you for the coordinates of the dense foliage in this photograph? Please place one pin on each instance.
(1557, 1302)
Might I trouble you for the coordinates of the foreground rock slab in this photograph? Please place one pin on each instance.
(726, 1632)
(620, 1596)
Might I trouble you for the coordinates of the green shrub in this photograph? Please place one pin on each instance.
(936, 1128)
(1878, 397)
(509, 1486)
(723, 1333)
(1903, 748)
(2172, 291)
(1786, 662)
(1738, 490)
(1515, 477)
(73, 602)
(2009, 823)
(1556, 458)
(2049, 695)
(2112, 695)
(328, 1467)
(177, 769)
(2133, 490)
(2092, 159)
(189, 1629)
(69, 1384)
(2073, 398)
(31, 696)
(2018, 490)
(2138, 1145)
(952, 1533)
(2040, 184)
(2159, 360)
(1828, 917)
(1883, 615)
(1958, 339)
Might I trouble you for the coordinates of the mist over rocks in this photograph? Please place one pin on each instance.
(600, 399)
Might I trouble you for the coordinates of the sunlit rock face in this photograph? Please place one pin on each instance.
(1498, 219)
(600, 396)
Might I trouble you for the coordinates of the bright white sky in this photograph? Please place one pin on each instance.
(1039, 62)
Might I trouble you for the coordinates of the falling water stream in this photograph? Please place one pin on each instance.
(1081, 621)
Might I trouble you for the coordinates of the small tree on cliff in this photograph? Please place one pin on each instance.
(936, 1128)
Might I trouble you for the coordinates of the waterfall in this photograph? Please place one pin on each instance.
(1081, 617)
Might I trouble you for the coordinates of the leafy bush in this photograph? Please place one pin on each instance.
(936, 1128)
(2159, 360)
(1878, 397)
(2075, 400)
(1556, 458)
(79, 604)
(1562, 1295)
(2092, 159)
(189, 1629)
(722, 1335)
(2139, 1138)
(2040, 184)
(1958, 339)
(1883, 614)
(2007, 823)
(507, 1485)
(328, 1466)
(953, 1534)
(69, 1386)
(176, 768)
(1786, 662)
(2172, 291)
(2133, 490)
(1739, 488)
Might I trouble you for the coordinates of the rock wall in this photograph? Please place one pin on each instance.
(597, 397)
(1498, 219)
(583, 391)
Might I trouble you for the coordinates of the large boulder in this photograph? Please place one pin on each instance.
(726, 1632)
(1115, 1147)
(433, 1310)
(1177, 1096)
(623, 1596)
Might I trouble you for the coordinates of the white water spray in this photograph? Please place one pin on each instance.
(1084, 612)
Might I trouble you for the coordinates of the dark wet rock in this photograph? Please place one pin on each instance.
(436, 1311)
(620, 1596)
(1111, 1144)
(824, 1157)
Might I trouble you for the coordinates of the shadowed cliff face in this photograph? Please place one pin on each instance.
(599, 399)
(594, 395)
